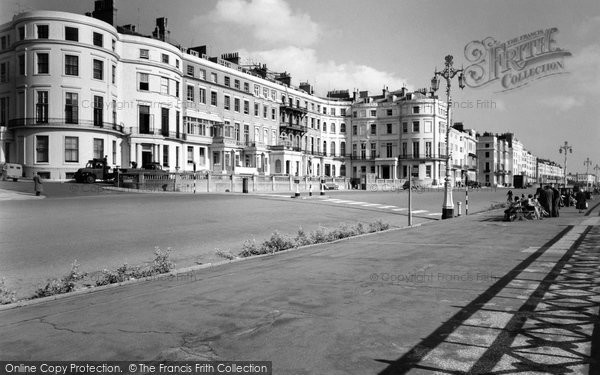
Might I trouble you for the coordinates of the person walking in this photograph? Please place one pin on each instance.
(581, 204)
(38, 187)
(510, 196)
(555, 201)
(310, 190)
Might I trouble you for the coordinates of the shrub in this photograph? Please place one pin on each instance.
(6, 295)
(302, 239)
(378, 226)
(277, 242)
(225, 254)
(64, 285)
(249, 248)
(320, 235)
(162, 264)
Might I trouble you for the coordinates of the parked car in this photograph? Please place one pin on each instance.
(12, 170)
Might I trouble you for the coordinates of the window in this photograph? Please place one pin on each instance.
(98, 113)
(389, 112)
(265, 92)
(202, 95)
(143, 82)
(164, 58)
(190, 70)
(165, 155)
(41, 107)
(190, 93)
(144, 119)
(227, 102)
(246, 87)
(114, 113)
(428, 171)
(487, 154)
(404, 149)
(3, 112)
(177, 89)
(71, 65)
(236, 84)
(416, 126)
(325, 127)
(342, 148)
(71, 149)
(227, 81)
(22, 33)
(177, 63)
(71, 108)
(388, 150)
(213, 77)
(98, 148)
(164, 86)
(273, 95)
(114, 152)
(246, 107)
(114, 74)
(144, 54)
(373, 113)
(342, 128)
(374, 150)
(428, 149)
(373, 128)
(416, 110)
(265, 111)
(332, 111)
(273, 114)
(71, 33)
(256, 109)
(256, 90)
(202, 74)
(41, 149)
(388, 128)
(190, 154)
(114, 45)
(213, 98)
(98, 69)
(98, 39)
(354, 130)
(42, 31)
(22, 65)
(4, 42)
(236, 104)
(416, 149)
(404, 127)
(164, 121)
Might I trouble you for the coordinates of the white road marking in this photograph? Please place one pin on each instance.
(399, 209)
(371, 204)
(418, 211)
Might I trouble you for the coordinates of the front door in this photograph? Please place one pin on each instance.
(146, 157)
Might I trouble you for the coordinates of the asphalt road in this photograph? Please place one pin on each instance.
(470, 295)
(39, 239)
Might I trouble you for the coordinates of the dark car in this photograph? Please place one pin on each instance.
(154, 166)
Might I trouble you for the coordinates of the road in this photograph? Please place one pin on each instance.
(470, 295)
(104, 229)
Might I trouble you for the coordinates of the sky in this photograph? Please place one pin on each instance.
(369, 45)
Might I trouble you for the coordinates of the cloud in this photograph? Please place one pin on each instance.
(304, 65)
(270, 21)
(561, 103)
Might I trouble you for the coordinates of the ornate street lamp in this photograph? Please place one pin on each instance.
(567, 149)
(448, 73)
(587, 162)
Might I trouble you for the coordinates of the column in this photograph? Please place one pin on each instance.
(132, 153)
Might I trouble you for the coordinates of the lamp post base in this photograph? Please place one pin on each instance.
(447, 213)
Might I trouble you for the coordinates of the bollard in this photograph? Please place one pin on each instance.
(459, 207)
(297, 190)
(467, 201)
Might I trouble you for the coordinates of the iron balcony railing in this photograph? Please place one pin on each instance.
(423, 156)
(63, 122)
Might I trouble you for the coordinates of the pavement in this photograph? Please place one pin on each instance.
(472, 295)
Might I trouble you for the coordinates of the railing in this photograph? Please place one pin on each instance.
(423, 156)
(363, 157)
(229, 141)
(20, 122)
(292, 126)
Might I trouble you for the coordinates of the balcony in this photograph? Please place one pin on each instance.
(427, 157)
(61, 122)
(293, 127)
(286, 107)
(363, 157)
(285, 147)
(228, 142)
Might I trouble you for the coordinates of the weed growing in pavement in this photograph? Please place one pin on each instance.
(279, 242)
(161, 264)
(6, 295)
(64, 285)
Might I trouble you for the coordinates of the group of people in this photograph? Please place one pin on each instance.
(545, 203)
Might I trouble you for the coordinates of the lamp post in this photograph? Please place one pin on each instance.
(448, 73)
(567, 149)
(587, 162)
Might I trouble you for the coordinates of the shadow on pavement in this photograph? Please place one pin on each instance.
(553, 331)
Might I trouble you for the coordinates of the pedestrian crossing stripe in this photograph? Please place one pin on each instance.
(434, 213)
(399, 209)
(418, 211)
(388, 207)
(371, 204)
(356, 202)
